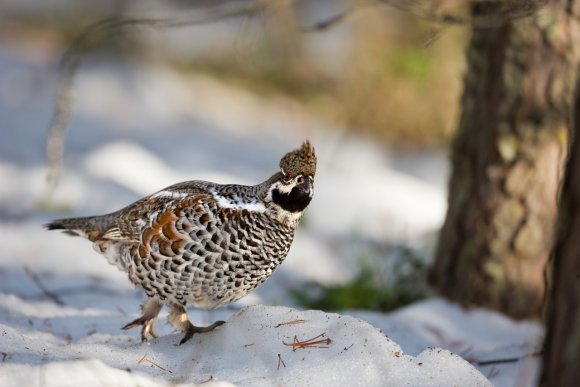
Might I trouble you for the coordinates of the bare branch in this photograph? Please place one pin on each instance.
(334, 20)
(100, 34)
(427, 10)
(60, 119)
(504, 12)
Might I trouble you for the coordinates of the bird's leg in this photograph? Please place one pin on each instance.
(150, 310)
(179, 319)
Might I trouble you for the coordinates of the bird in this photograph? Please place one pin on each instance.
(201, 243)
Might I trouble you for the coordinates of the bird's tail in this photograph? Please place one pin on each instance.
(90, 227)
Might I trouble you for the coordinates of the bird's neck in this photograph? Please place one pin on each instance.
(287, 218)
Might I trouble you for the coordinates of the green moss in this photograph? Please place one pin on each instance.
(371, 289)
(411, 62)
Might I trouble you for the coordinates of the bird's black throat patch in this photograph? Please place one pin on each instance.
(295, 201)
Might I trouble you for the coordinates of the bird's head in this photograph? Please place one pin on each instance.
(293, 188)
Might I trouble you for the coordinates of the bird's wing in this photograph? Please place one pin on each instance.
(131, 221)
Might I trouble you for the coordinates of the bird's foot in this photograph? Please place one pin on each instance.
(150, 310)
(191, 329)
(148, 327)
(179, 319)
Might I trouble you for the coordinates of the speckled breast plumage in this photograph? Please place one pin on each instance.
(195, 252)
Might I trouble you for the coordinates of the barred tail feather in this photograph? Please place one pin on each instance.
(88, 227)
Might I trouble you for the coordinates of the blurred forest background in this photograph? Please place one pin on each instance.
(492, 82)
(366, 69)
(366, 66)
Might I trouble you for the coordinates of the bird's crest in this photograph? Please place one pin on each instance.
(299, 161)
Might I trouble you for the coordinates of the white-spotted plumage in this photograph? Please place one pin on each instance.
(168, 194)
(238, 203)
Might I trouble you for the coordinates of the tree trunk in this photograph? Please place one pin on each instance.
(562, 349)
(506, 161)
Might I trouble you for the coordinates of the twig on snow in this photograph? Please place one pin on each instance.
(293, 322)
(280, 361)
(34, 277)
(153, 364)
(310, 343)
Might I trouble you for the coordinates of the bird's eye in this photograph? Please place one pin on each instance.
(300, 179)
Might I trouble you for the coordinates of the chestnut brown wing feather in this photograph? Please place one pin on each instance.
(130, 222)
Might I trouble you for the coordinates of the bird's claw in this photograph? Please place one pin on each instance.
(192, 329)
(148, 327)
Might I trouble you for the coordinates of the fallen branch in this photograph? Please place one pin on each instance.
(43, 288)
(77, 290)
(505, 360)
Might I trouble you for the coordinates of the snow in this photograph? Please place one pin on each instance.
(117, 152)
(478, 335)
(252, 348)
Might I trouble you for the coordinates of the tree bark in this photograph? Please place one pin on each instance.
(506, 161)
(562, 347)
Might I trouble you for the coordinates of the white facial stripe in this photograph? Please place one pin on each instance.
(238, 205)
(287, 188)
(284, 188)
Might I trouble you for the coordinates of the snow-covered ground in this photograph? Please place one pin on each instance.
(138, 128)
(259, 345)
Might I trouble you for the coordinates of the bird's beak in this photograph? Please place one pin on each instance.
(305, 187)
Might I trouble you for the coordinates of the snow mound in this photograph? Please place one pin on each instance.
(259, 346)
(482, 337)
(346, 351)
